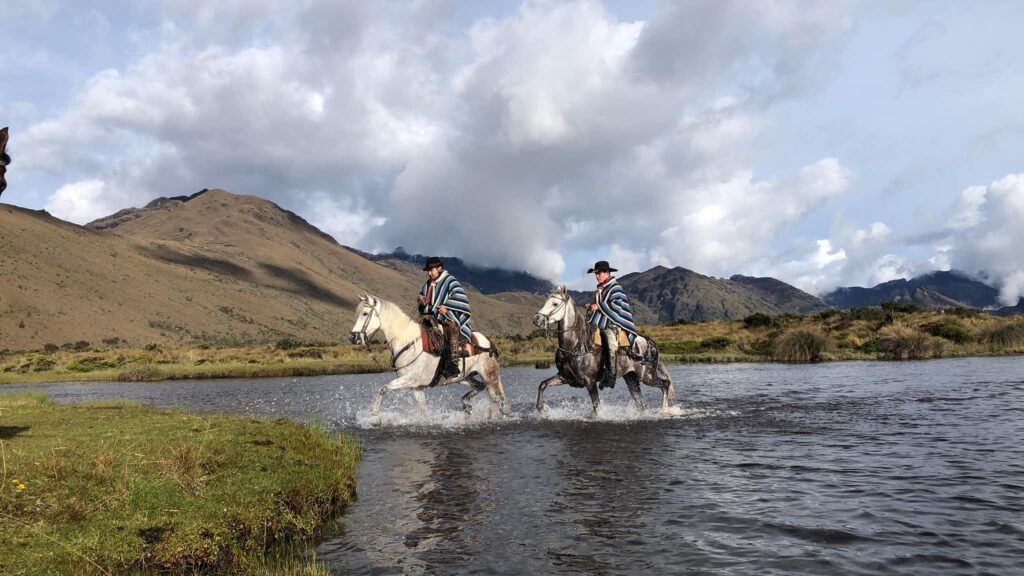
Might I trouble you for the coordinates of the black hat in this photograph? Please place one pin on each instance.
(431, 262)
(601, 266)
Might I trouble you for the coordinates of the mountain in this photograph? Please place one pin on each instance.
(1017, 310)
(933, 290)
(484, 279)
(784, 296)
(663, 294)
(213, 267)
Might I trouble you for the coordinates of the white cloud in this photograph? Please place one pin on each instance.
(725, 227)
(987, 235)
(556, 128)
(81, 202)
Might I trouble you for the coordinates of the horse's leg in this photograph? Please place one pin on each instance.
(421, 400)
(668, 391)
(492, 378)
(633, 382)
(474, 389)
(595, 396)
(406, 381)
(555, 380)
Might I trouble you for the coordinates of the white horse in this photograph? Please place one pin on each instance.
(415, 368)
(579, 365)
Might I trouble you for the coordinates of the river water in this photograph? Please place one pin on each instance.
(842, 468)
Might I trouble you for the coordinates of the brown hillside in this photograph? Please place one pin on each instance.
(218, 268)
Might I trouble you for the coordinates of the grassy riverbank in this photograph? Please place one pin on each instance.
(116, 488)
(890, 333)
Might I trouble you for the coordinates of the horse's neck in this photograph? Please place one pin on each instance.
(399, 330)
(569, 336)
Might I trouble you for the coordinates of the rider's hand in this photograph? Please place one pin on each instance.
(423, 300)
(442, 310)
(591, 307)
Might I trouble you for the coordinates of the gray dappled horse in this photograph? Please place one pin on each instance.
(579, 365)
(415, 368)
(4, 160)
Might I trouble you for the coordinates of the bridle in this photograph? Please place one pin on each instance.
(364, 340)
(547, 317)
(363, 336)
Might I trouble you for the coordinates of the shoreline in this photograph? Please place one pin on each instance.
(832, 336)
(180, 373)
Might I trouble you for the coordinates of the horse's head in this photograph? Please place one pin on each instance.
(367, 319)
(554, 309)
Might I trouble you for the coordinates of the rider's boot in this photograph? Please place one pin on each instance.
(609, 346)
(451, 359)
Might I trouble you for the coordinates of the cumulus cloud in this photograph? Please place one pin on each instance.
(81, 202)
(555, 128)
(986, 235)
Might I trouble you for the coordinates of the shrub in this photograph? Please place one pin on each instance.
(897, 306)
(1006, 336)
(307, 353)
(829, 314)
(114, 341)
(152, 347)
(288, 344)
(50, 348)
(759, 347)
(871, 346)
(90, 363)
(868, 314)
(80, 346)
(800, 345)
(758, 320)
(962, 312)
(716, 343)
(954, 333)
(900, 342)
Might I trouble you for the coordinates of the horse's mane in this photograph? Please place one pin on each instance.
(395, 322)
(581, 328)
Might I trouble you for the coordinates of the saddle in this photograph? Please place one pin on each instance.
(435, 344)
(642, 348)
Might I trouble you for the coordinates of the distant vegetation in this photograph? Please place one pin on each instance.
(890, 332)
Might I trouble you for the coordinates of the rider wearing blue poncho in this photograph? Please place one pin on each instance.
(443, 298)
(610, 313)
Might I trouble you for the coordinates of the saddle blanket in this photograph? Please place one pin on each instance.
(433, 343)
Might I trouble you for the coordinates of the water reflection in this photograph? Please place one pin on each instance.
(611, 475)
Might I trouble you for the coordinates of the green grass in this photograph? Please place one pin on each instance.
(118, 488)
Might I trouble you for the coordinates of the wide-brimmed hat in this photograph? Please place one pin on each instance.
(433, 261)
(601, 266)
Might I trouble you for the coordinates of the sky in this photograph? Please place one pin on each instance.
(826, 144)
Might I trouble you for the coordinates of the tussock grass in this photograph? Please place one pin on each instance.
(114, 488)
(801, 345)
(1008, 336)
(901, 342)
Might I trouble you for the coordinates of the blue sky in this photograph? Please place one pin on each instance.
(845, 143)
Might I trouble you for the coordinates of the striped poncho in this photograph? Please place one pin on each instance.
(613, 308)
(446, 291)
